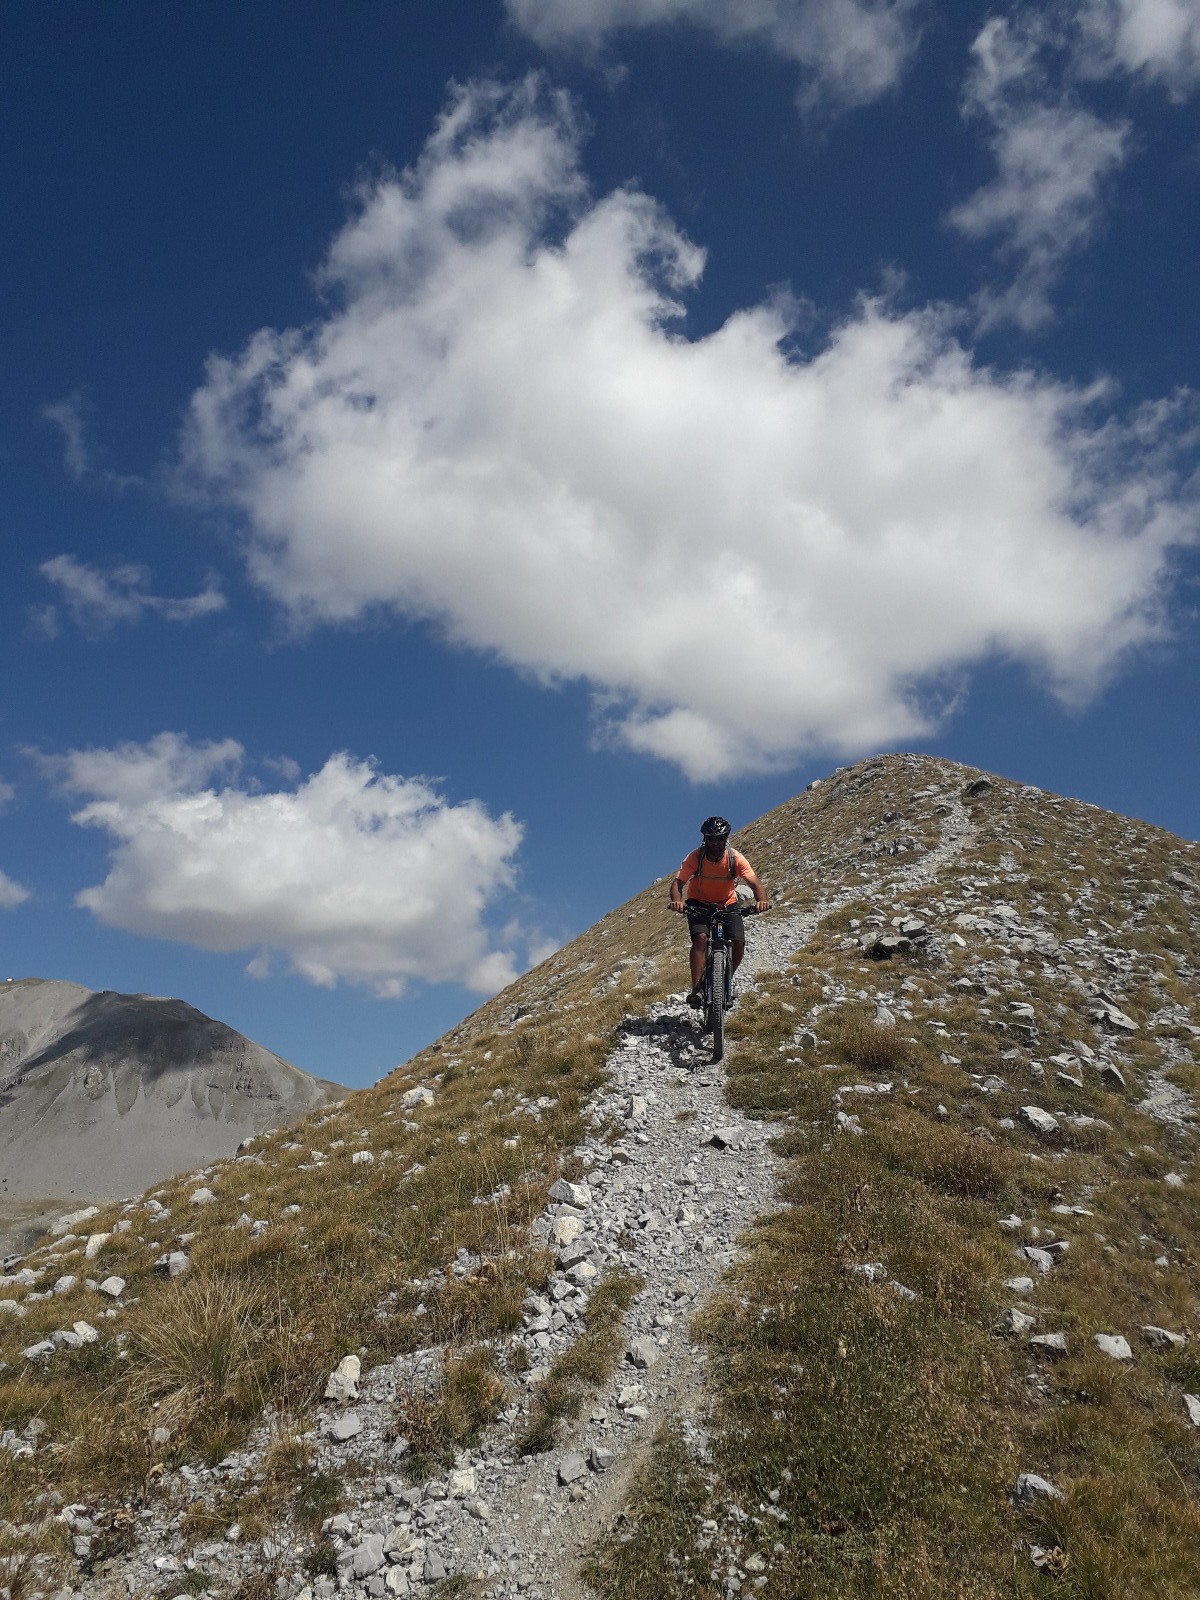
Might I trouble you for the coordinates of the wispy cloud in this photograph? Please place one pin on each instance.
(68, 416)
(350, 875)
(1054, 158)
(1155, 40)
(850, 51)
(502, 430)
(1057, 157)
(97, 600)
(11, 894)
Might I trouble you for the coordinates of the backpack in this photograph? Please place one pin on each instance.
(729, 862)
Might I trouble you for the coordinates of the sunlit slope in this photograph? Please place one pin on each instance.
(874, 1396)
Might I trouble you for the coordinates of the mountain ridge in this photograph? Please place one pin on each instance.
(902, 1299)
(102, 1093)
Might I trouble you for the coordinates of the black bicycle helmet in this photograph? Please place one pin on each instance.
(715, 828)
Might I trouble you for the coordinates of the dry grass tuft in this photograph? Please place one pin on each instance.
(471, 1394)
(859, 1041)
(587, 1363)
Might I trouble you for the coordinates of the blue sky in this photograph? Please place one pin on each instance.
(447, 451)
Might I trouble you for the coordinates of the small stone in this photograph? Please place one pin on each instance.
(1011, 1224)
(725, 1138)
(565, 1231)
(434, 1570)
(85, 1333)
(1114, 1345)
(41, 1351)
(1163, 1338)
(173, 1264)
(643, 1352)
(345, 1427)
(201, 1197)
(343, 1380)
(1192, 1402)
(96, 1243)
(419, 1096)
(1037, 1119)
(1173, 1180)
(601, 1458)
(1049, 1344)
(871, 1271)
(1015, 1321)
(461, 1483)
(72, 1220)
(361, 1158)
(1031, 1486)
(113, 1287)
(65, 1284)
(1112, 1075)
(570, 1467)
(369, 1556)
(571, 1194)
(1041, 1259)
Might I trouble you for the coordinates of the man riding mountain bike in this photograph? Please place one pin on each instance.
(710, 875)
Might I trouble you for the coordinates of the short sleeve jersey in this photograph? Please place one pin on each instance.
(709, 881)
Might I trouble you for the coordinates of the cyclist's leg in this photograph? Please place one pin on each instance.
(738, 949)
(698, 952)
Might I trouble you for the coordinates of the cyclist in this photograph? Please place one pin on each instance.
(710, 876)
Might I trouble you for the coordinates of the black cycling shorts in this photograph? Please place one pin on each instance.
(698, 914)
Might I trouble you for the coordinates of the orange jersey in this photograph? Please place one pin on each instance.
(709, 881)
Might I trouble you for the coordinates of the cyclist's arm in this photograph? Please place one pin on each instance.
(761, 903)
(677, 889)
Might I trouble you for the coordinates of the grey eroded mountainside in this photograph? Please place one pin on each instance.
(902, 1298)
(103, 1094)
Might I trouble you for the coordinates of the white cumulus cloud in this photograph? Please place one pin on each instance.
(98, 600)
(851, 51)
(500, 426)
(352, 874)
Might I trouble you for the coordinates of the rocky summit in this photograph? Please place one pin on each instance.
(902, 1298)
(103, 1094)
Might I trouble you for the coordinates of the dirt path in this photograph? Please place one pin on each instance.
(699, 1199)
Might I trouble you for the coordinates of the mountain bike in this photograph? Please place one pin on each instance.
(718, 975)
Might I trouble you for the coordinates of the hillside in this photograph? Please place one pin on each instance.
(103, 1094)
(900, 1301)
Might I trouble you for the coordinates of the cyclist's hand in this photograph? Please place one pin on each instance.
(762, 905)
(676, 905)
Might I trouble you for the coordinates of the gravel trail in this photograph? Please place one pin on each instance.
(686, 1201)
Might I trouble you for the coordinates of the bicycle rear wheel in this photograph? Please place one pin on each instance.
(719, 958)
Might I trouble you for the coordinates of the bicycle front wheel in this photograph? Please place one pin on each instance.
(719, 958)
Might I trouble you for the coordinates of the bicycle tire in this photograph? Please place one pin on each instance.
(719, 958)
